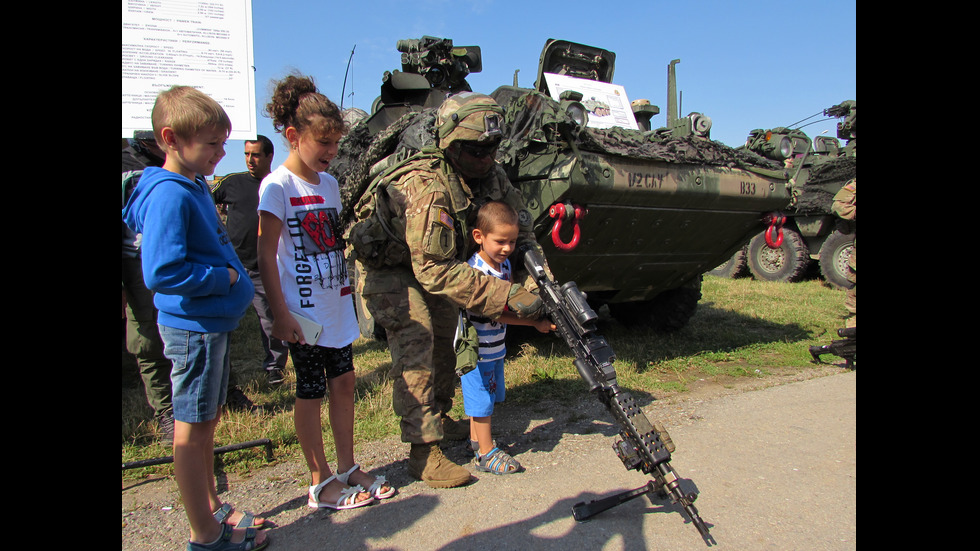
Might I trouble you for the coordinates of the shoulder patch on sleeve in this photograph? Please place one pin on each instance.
(445, 219)
(524, 218)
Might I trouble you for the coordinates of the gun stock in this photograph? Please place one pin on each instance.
(642, 446)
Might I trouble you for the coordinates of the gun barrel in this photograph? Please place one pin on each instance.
(668, 478)
(699, 524)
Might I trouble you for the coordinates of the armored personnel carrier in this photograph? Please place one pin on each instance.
(635, 215)
(811, 232)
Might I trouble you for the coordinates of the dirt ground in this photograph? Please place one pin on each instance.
(540, 434)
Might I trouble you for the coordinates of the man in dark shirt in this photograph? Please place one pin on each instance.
(239, 192)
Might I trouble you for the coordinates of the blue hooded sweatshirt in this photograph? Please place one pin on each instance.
(186, 254)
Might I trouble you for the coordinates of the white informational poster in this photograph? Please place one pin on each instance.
(206, 44)
(607, 103)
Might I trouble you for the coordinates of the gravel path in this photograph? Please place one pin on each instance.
(774, 460)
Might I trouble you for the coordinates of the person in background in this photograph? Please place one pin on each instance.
(845, 207)
(239, 193)
(142, 336)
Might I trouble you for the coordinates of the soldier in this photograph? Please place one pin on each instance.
(411, 244)
(845, 206)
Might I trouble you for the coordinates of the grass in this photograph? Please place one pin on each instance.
(743, 328)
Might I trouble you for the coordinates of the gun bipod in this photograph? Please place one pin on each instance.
(584, 510)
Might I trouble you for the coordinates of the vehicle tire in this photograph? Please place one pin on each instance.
(787, 263)
(736, 266)
(669, 311)
(835, 253)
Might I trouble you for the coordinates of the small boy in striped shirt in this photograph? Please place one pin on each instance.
(495, 233)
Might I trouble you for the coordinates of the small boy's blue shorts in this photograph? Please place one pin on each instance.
(482, 387)
(201, 366)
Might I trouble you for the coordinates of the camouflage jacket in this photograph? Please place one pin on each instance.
(430, 210)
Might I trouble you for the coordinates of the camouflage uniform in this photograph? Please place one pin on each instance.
(416, 292)
(845, 206)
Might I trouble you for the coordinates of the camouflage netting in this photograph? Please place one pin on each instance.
(535, 117)
(688, 150)
(359, 152)
(839, 169)
(532, 119)
(825, 178)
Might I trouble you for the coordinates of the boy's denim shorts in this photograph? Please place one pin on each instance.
(483, 387)
(201, 366)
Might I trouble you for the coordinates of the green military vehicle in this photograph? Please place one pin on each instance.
(635, 215)
(811, 232)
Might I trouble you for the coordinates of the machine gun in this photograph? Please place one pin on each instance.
(443, 65)
(643, 446)
(846, 348)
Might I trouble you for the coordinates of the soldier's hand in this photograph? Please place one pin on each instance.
(523, 303)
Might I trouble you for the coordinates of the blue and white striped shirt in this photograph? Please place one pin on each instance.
(491, 332)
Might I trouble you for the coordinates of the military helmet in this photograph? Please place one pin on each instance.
(469, 116)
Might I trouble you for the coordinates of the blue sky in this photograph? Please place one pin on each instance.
(746, 64)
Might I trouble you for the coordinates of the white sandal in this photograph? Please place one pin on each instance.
(347, 500)
(375, 489)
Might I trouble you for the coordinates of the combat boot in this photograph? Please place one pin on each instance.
(455, 430)
(427, 463)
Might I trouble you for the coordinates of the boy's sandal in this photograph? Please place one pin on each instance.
(224, 543)
(375, 489)
(247, 520)
(347, 499)
(497, 461)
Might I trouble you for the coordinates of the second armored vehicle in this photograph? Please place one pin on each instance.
(811, 232)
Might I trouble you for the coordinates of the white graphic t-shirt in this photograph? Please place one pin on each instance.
(312, 267)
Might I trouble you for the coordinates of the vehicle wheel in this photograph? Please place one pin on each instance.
(735, 267)
(835, 253)
(669, 311)
(787, 263)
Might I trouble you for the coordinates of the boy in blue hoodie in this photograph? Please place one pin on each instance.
(192, 267)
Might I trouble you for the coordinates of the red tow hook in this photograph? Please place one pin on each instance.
(560, 211)
(775, 221)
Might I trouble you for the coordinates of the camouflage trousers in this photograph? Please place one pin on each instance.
(420, 328)
(143, 339)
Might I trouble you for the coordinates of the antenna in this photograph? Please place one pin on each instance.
(344, 89)
(672, 93)
(808, 118)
